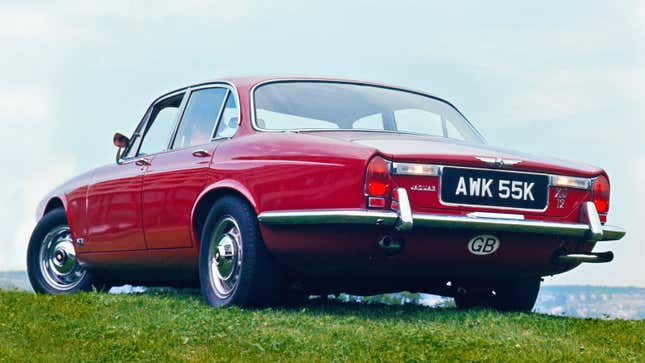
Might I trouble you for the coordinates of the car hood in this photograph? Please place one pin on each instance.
(425, 149)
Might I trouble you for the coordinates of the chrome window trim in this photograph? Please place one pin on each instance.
(146, 117)
(134, 137)
(350, 82)
(180, 115)
(230, 90)
(141, 129)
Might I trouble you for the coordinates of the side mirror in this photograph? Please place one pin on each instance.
(121, 141)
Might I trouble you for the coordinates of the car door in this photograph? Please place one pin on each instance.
(114, 199)
(174, 179)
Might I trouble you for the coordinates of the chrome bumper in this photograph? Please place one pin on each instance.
(590, 229)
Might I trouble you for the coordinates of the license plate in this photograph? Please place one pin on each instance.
(494, 188)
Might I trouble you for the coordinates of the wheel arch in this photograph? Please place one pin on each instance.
(53, 203)
(209, 196)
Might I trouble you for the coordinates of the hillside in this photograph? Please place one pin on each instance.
(161, 327)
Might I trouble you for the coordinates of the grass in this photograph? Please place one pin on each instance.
(178, 327)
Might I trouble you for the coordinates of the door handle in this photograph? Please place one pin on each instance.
(201, 153)
(142, 162)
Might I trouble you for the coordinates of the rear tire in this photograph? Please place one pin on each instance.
(52, 265)
(518, 295)
(235, 267)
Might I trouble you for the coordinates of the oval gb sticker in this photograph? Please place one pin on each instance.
(484, 244)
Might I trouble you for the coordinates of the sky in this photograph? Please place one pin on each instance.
(555, 78)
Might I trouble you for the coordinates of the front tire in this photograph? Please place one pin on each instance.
(52, 265)
(517, 295)
(234, 266)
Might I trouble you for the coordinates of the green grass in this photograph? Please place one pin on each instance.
(177, 327)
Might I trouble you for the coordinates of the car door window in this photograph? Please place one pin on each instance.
(202, 110)
(160, 126)
(229, 121)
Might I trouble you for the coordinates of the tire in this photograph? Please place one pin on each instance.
(518, 295)
(51, 258)
(247, 275)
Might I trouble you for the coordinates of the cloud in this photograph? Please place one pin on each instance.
(26, 104)
(562, 93)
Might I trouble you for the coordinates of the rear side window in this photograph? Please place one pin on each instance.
(160, 126)
(198, 123)
(229, 121)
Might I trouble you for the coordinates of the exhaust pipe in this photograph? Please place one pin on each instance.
(390, 245)
(592, 257)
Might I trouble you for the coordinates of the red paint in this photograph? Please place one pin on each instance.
(141, 218)
(171, 185)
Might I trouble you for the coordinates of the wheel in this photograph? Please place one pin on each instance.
(234, 266)
(518, 295)
(51, 258)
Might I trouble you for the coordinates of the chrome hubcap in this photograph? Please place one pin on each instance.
(58, 263)
(225, 257)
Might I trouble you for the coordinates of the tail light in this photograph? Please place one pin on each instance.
(377, 182)
(600, 192)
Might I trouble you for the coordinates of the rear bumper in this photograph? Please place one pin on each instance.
(589, 229)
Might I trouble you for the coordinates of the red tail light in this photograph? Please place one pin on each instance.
(377, 178)
(600, 194)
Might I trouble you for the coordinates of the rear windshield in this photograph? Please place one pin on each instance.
(316, 105)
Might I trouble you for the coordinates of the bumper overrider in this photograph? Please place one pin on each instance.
(590, 229)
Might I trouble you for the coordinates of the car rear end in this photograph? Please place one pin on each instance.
(462, 219)
(488, 220)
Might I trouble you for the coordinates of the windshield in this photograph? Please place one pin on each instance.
(318, 105)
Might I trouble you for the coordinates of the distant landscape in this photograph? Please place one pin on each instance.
(572, 301)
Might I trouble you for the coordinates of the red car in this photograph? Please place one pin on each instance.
(265, 190)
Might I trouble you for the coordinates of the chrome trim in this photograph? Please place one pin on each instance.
(517, 217)
(612, 233)
(597, 257)
(145, 119)
(329, 216)
(201, 153)
(225, 257)
(59, 267)
(142, 161)
(404, 221)
(423, 220)
(221, 112)
(354, 82)
(561, 181)
(230, 88)
(498, 162)
(178, 118)
(589, 214)
(142, 129)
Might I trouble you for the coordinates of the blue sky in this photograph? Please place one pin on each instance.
(561, 78)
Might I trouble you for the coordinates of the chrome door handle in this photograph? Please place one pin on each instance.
(142, 162)
(201, 153)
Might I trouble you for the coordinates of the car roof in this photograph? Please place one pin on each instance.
(248, 82)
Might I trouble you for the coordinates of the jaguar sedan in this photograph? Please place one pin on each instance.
(263, 191)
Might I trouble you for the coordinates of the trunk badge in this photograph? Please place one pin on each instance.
(499, 162)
